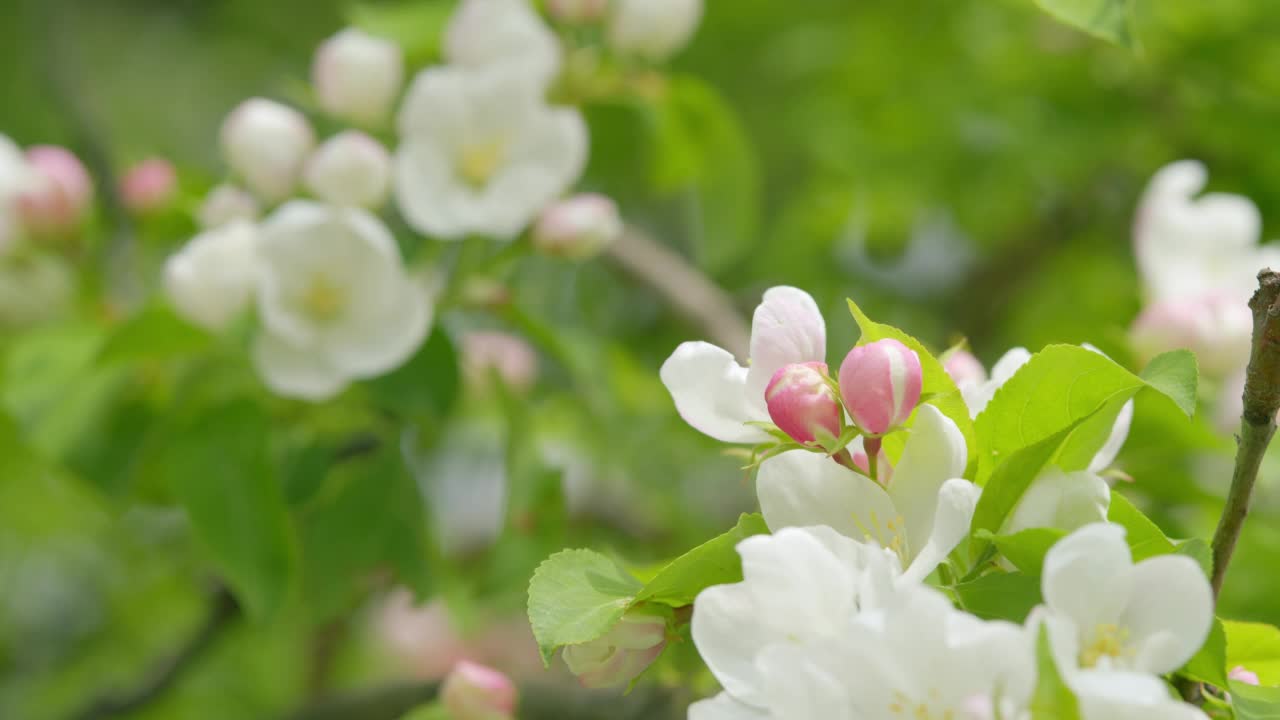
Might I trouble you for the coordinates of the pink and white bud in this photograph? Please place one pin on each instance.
(801, 403)
(59, 192)
(358, 76)
(266, 143)
(577, 11)
(880, 383)
(350, 169)
(149, 186)
(487, 352)
(1243, 675)
(1216, 327)
(579, 227)
(226, 204)
(620, 656)
(965, 369)
(884, 469)
(654, 29)
(475, 692)
(210, 281)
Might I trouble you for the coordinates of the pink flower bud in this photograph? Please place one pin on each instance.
(965, 369)
(801, 402)
(475, 692)
(358, 76)
(880, 383)
(59, 193)
(1240, 674)
(577, 11)
(266, 143)
(350, 168)
(486, 352)
(149, 186)
(884, 470)
(579, 227)
(620, 656)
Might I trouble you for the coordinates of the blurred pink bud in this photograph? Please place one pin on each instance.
(884, 470)
(620, 656)
(977, 707)
(59, 194)
(579, 227)
(266, 143)
(352, 169)
(475, 692)
(358, 76)
(1217, 328)
(800, 401)
(226, 204)
(577, 11)
(880, 383)
(1242, 675)
(486, 352)
(965, 369)
(149, 186)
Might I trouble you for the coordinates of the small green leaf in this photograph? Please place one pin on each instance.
(715, 562)
(1026, 549)
(1256, 646)
(417, 26)
(1000, 596)
(1198, 550)
(1110, 20)
(1144, 537)
(156, 333)
(576, 596)
(1053, 700)
(1254, 702)
(425, 388)
(1176, 376)
(1209, 664)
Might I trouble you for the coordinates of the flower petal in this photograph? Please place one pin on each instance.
(787, 327)
(1115, 441)
(728, 634)
(957, 499)
(1110, 695)
(294, 371)
(1170, 613)
(1057, 499)
(801, 686)
(724, 707)
(935, 453)
(800, 488)
(707, 385)
(796, 583)
(1087, 576)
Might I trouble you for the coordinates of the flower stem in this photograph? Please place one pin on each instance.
(1258, 424)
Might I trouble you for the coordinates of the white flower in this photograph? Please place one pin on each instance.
(211, 279)
(716, 395)
(578, 227)
(267, 143)
(655, 29)
(350, 168)
(464, 479)
(335, 301)
(921, 516)
(1062, 500)
(15, 177)
(482, 153)
(1111, 695)
(507, 34)
(1103, 611)
(225, 204)
(357, 76)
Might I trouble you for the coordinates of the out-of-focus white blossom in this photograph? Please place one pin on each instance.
(211, 279)
(578, 227)
(358, 76)
(335, 301)
(482, 153)
(225, 204)
(15, 176)
(619, 657)
(504, 35)
(476, 692)
(654, 29)
(266, 144)
(352, 169)
(511, 357)
(58, 193)
(1218, 327)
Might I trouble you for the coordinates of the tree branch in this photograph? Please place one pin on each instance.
(223, 610)
(1258, 425)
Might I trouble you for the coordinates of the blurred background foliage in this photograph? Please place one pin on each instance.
(962, 168)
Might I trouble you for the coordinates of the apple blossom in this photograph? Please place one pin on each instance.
(511, 357)
(464, 480)
(475, 692)
(15, 175)
(1218, 327)
(482, 153)
(335, 301)
(1112, 695)
(1104, 611)
(1062, 500)
(358, 76)
(266, 143)
(921, 516)
(578, 227)
(965, 369)
(880, 383)
(149, 186)
(1242, 674)
(802, 404)
(622, 654)
(211, 279)
(225, 204)
(654, 29)
(716, 395)
(350, 168)
(58, 194)
(506, 34)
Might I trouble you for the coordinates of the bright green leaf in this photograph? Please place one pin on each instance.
(1175, 375)
(425, 388)
(1053, 700)
(1256, 646)
(715, 562)
(1252, 702)
(417, 26)
(576, 596)
(1144, 538)
(156, 333)
(1000, 596)
(1198, 550)
(1026, 549)
(1209, 664)
(1110, 20)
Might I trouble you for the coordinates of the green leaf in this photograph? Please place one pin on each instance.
(1198, 550)
(1026, 549)
(1110, 20)
(715, 562)
(1175, 375)
(576, 596)
(1256, 646)
(1000, 596)
(1057, 388)
(1253, 702)
(425, 388)
(1053, 700)
(1144, 537)
(156, 333)
(218, 466)
(1209, 664)
(937, 383)
(702, 148)
(417, 26)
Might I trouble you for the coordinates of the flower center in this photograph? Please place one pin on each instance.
(904, 706)
(890, 534)
(1109, 641)
(479, 161)
(323, 299)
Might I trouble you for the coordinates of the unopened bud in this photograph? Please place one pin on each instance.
(475, 692)
(211, 280)
(487, 352)
(577, 11)
(801, 402)
(620, 656)
(1242, 675)
(880, 383)
(59, 192)
(965, 369)
(358, 76)
(226, 204)
(267, 144)
(351, 169)
(149, 186)
(579, 227)
(1217, 328)
(654, 29)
